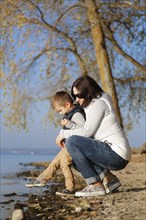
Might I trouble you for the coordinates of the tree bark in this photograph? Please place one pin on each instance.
(106, 77)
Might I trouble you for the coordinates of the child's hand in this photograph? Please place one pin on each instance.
(60, 142)
(64, 121)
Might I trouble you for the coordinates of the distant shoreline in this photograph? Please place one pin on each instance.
(29, 151)
(48, 151)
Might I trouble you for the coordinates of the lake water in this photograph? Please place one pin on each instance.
(10, 183)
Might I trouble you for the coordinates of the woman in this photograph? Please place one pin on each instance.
(100, 145)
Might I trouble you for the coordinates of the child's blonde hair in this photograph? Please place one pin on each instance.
(60, 98)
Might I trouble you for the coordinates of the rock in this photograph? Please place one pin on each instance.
(17, 214)
(7, 202)
(10, 194)
(78, 209)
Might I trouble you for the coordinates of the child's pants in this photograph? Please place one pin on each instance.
(63, 160)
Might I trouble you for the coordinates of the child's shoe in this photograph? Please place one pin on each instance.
(36, 183)
(66, 192)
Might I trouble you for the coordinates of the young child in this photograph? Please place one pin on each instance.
(74, 117)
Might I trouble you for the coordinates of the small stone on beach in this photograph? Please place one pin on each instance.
(17, 214)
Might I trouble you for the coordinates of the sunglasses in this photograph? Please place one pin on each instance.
(79, 95)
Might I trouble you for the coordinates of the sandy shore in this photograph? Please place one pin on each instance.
(128, 203)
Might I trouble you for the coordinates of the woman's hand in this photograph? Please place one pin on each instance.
(59, 141)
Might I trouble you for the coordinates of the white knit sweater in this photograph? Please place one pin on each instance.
(102, 124)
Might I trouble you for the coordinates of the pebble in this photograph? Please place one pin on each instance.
(78, 209)
(17, 214)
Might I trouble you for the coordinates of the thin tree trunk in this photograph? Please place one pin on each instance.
(101, 54)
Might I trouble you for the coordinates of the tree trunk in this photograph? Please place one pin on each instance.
(106, 77)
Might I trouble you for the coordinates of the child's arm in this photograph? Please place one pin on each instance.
(77, 121)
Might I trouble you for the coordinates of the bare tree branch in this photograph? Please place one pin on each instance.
(120, 51)
(131, 79)
(53, 49)
(125, 5)
(70, 8)
(64, 35)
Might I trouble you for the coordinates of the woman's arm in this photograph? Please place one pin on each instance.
(94, 115)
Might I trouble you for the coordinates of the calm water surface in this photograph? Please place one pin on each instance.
(10, 183)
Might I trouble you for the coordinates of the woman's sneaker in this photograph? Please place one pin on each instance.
(91, 190)
(111, 184)
(36, 183)
(66, 192)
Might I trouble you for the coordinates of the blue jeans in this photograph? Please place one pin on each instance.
(93, 158)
